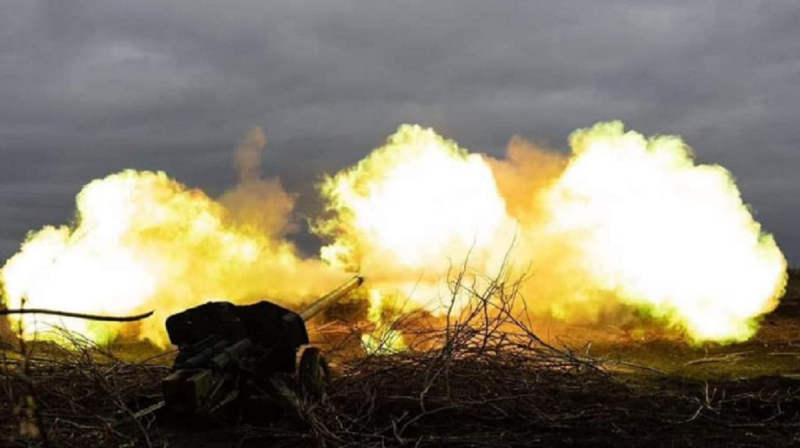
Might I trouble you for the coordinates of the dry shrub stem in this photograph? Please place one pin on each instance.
(81, 391)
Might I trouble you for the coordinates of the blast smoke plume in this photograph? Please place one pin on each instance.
(259, 203)
(622, 222)
(622, 227)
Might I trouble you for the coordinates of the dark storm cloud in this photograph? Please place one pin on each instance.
(91, 87)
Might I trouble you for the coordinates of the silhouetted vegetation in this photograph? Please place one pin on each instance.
(486, 379)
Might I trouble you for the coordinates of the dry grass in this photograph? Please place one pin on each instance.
(483, 379)
(58, 396)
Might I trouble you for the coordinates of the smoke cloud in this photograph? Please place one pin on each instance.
(623, 225)
(623, 228)
(144, 241)
(262, 204)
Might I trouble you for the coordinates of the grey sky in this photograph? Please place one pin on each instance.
(91, 87)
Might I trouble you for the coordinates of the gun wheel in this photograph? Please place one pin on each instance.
(314, 374)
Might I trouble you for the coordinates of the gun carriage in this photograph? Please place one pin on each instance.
(227, 351)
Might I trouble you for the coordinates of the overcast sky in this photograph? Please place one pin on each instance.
(88, 88)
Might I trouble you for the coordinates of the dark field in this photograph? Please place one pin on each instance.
(579, 387)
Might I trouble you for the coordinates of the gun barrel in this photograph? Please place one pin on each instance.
(328, 299)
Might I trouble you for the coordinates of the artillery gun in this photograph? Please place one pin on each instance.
(227, 352)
